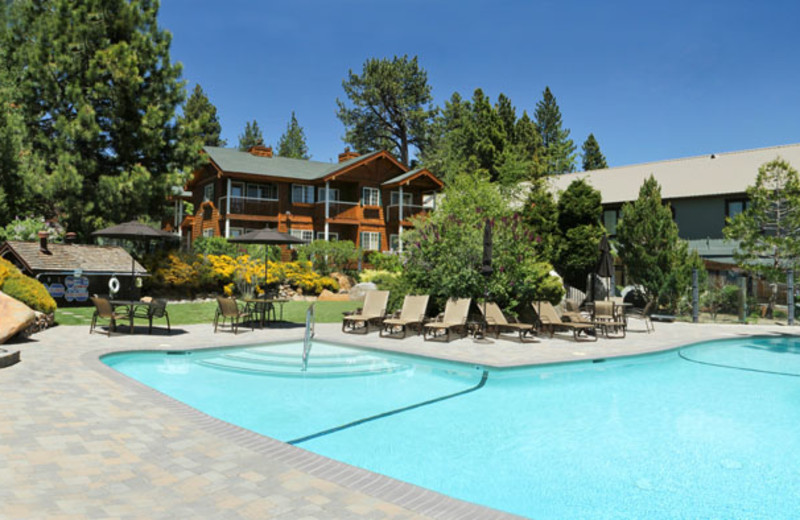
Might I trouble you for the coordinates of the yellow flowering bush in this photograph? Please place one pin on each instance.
(25, 289)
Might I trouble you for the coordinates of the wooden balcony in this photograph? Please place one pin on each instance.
(250, 206)
(409, 210)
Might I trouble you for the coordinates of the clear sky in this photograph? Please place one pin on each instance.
(652, 80)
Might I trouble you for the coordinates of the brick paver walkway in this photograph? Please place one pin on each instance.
(79, 440)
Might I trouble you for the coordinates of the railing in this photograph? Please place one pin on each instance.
(308, 336)
(338, 209)
(250, 206)
(409, 210)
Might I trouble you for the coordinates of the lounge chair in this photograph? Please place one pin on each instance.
(154, 309)
(411, 315)
(608, 320)
(373, 311)
(454, 318)
(496, 321)
(104, 310)
(551, 321)
(228, 309)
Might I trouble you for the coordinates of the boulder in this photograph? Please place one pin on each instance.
(345, 282)
(359, 290)
(16, 317)
(328, 296)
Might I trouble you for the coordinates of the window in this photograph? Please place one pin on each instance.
(734, 207)
(331, 236)
(370, 241)
(610, 217)
(237, 190)
(302, 193)
(208, 192)
(262, 191)
(429, 199)
(394, 242)
(208, 232)
(394, 198)
(236, 231)
(370, 196)
(303, 234)
(334, 194)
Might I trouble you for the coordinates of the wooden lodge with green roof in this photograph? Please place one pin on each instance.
(367, 199)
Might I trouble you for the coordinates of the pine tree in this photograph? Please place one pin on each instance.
(559, 150)
(200, 112)
(252, 136)
(293, 142)
(593, 158)
(97, 92)
(390, 107)
(579, 211)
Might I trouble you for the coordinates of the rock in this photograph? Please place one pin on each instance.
(345, 282)
(328, 296)
(16, 317)
(359, 290)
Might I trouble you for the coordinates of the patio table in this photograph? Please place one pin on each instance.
(130, 307)
(263, 306)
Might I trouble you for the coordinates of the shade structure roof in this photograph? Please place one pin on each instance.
(267, 236)
(134, 230)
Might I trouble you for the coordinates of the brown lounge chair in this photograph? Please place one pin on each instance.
(373, 311)
(496, 321)
(551, 321)
(103, 309)
(228, 309)
(608, 320)
(411, 315)
(454, 318)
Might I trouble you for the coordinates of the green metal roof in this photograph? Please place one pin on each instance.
(233, 160)
(402, 177)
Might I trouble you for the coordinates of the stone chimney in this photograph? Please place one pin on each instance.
(43, 242)
(260, 151)
(347, 155)
(70, 238)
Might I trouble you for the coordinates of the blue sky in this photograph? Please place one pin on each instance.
(651, 80)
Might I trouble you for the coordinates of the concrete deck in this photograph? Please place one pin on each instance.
(79, 440)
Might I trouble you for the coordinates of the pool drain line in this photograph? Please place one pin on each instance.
(480, 385)
(744, 369)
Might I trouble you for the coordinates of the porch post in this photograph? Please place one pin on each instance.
(400, 222)
(327, 208)
(180, 217)
(228, 210)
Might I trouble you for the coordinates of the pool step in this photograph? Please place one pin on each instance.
(317, 360)
(284, 369)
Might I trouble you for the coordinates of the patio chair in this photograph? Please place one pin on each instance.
(411, 315)
(551, 321)
(608, 320)
(373, 311)
(228, 309)
(454, 318)
(496, 321)
(104, 310)
(644, 315)
(155, 308)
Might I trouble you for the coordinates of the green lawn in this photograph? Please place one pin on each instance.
(203, 312)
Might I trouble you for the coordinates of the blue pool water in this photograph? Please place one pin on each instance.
(708, 431)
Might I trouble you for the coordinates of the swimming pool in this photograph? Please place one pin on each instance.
(707, 431)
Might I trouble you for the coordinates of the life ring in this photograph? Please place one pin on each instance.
(113, 284)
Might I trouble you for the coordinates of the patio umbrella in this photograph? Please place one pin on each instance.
(134, 230)
(605, 264)
(267, 236)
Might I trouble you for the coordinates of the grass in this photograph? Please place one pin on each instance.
(203, 312)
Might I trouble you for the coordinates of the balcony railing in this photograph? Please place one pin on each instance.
(250, 206)
(409, 210)
(341, 209)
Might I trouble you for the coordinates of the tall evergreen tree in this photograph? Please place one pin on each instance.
(293, 142)
(579, 211)
(97, 92)
(252, 136)
(389, 107)
(201, 113)
(593, 158)
(559, 150)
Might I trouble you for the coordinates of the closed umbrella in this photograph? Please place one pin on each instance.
(267, 236)
(605, 264)
(135, 231)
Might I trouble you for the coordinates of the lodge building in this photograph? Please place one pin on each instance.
(368, 199)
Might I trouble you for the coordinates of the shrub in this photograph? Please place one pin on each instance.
(385, 262)
(25, 289)
(328, 257)
(375, 276)
(216, 246)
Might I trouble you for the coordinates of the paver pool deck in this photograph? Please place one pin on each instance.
(79, 440)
